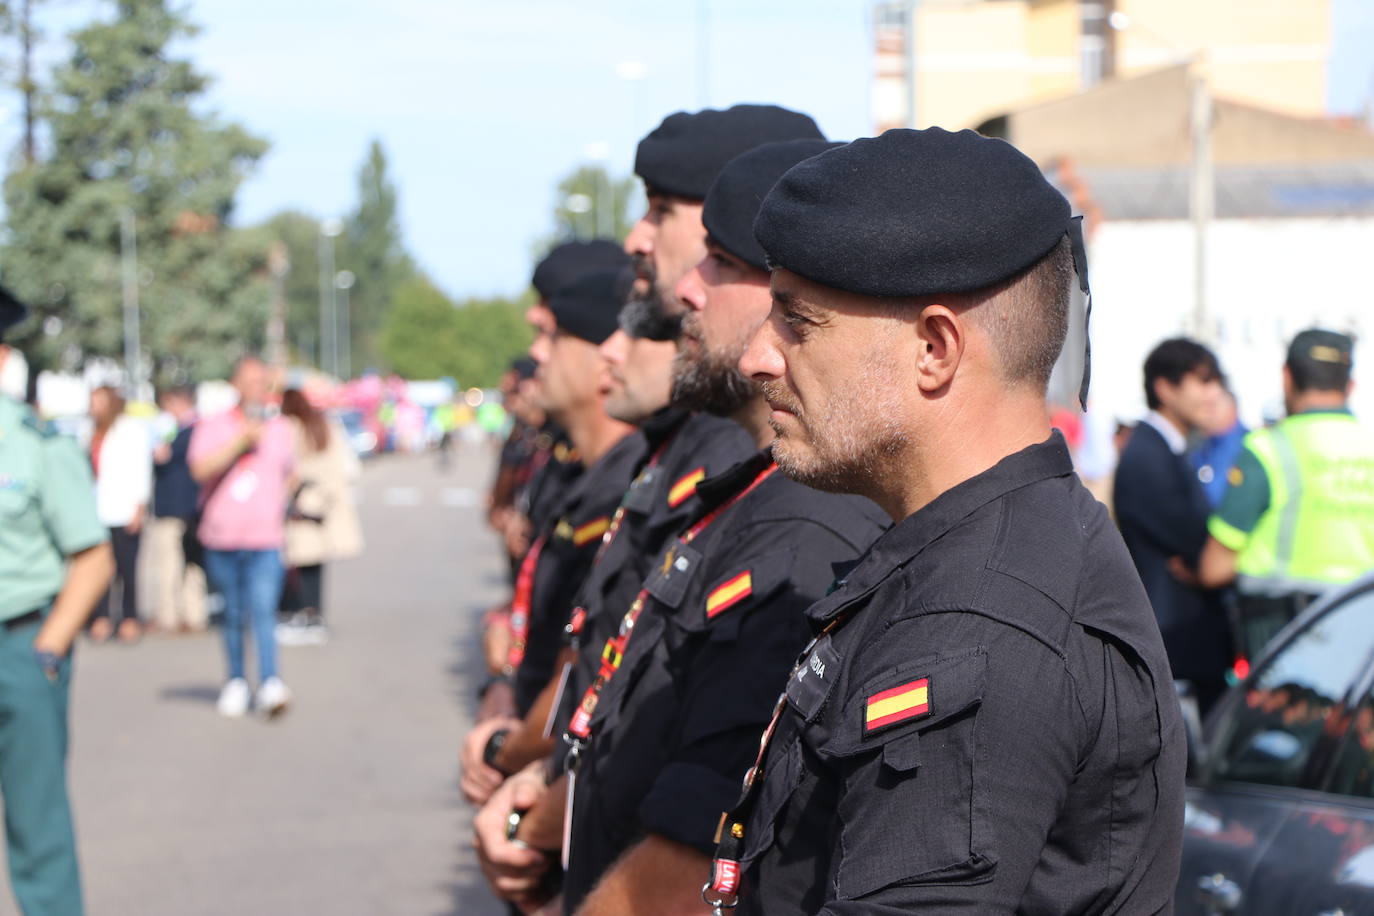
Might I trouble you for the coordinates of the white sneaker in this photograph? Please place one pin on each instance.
(272, 698)
(233, 698)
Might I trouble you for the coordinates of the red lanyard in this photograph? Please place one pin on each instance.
(520, 605)
(614, 651)
(725, 865)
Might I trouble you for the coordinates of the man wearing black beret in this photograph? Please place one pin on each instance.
(685, 676)
(985, 720)
(677, 162)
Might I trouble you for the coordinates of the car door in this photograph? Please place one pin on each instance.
(1264, 830)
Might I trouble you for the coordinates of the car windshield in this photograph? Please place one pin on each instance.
(1293, 714)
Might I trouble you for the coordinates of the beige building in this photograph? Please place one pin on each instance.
(976, 58)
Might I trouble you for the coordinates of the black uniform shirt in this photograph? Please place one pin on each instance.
(554, 468)
(660, 504)
(570, 544)
(991, 726)
(679, 722)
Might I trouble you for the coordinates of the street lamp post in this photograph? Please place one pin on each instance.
(343, 282)
(329, 342)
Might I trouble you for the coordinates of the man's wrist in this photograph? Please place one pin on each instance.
(492, 749)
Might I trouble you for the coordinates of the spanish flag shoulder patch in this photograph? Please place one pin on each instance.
(729, 593)
(897, 704)
(586, 533)
(686, 485)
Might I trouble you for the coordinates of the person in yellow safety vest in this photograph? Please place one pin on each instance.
(1298, 516)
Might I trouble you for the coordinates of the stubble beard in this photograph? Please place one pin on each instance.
(851, 446)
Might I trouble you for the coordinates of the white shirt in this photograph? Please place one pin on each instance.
(125, 480)
(1178, 443)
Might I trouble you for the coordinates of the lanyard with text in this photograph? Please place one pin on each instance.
(520, 605)
(579, 729)
(725, 867)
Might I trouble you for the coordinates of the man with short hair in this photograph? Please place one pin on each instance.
(1162, 510)
(1298, 518)
(171, 535)
(985, 720)
(243, 459)
(55, 563)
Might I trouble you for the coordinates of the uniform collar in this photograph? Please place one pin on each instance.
(662, 425)
(715, 490)
(919, 530)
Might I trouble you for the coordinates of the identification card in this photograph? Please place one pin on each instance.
(557, 699)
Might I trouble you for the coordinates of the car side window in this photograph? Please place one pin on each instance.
(1291, 722)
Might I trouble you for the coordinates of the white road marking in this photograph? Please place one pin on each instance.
(458, 497)
(401, 496)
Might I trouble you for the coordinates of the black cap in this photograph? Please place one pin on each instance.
(588, 308)
(1316, 347)
(734, 199)
(685, 153)
(911, 213)
(12, 311)
(570, 260)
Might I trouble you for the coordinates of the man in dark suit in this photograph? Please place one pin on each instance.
(1162, 511)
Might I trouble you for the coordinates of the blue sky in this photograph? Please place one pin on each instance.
(483, 106)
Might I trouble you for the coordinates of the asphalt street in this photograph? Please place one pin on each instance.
(346, 805)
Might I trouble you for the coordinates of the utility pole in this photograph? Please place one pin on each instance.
(910, 47)
(328, 343)
(1202, 196)
(128, 254)
(279, 265)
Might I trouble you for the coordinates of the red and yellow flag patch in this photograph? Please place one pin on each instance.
(729, 593)
(682, 491)
(585, 534)
(898, 704)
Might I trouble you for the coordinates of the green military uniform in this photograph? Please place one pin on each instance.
(47, 513)
(1299, 514)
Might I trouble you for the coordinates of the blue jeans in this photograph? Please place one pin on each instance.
(250, 581)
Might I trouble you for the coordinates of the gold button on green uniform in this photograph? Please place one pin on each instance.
(47, 510)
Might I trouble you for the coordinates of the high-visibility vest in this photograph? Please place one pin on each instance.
(1318, 530)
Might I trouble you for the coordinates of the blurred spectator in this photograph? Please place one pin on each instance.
(1163, 512)
(172, 532)
(322, 522)
(122, 461)
(1298, 517)
(243, 459)
(1217, 452)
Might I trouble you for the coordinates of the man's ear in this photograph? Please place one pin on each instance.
(941, 339)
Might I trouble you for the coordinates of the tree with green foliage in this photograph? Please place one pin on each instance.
(426, 336)
(371, 248)
(121, 133)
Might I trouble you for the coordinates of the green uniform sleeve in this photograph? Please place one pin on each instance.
(1246, 499)
(67, 497)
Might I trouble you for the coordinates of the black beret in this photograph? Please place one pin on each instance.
(734, 199)
(912, 213)
(570, 260)
(12, 311)
(1315, 347)
(685, 153)
(588, 308)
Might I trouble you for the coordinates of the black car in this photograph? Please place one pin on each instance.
(1280, 813)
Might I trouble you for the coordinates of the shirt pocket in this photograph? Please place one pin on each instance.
(913, 808)
(16, 500)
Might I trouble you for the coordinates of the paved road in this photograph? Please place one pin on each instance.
(348, 805)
